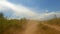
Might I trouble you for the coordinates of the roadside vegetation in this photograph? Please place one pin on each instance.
(42, 29)
(53, 21)
(9, 26)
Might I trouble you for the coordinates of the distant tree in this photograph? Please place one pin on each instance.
(1, 15)
(1, 22)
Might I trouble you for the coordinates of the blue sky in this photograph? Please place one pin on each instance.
(34, 9)
(51, 5)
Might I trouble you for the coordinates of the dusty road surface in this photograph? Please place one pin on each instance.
(31, 27)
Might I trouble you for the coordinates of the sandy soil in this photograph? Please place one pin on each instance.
(31, 27)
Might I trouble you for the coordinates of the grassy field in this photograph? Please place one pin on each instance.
(15, 26)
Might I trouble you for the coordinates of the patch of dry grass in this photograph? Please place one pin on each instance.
(10, 26)
(42, 29)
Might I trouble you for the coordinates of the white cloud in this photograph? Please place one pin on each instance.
(18, 9)
(3, 0)
(22, 11)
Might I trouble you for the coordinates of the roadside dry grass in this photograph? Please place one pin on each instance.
(12, 26)
(42, 29)
(53, 21)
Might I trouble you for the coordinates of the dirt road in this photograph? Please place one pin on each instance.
(31, 27)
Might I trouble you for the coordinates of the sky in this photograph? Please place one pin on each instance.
(31, 9)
